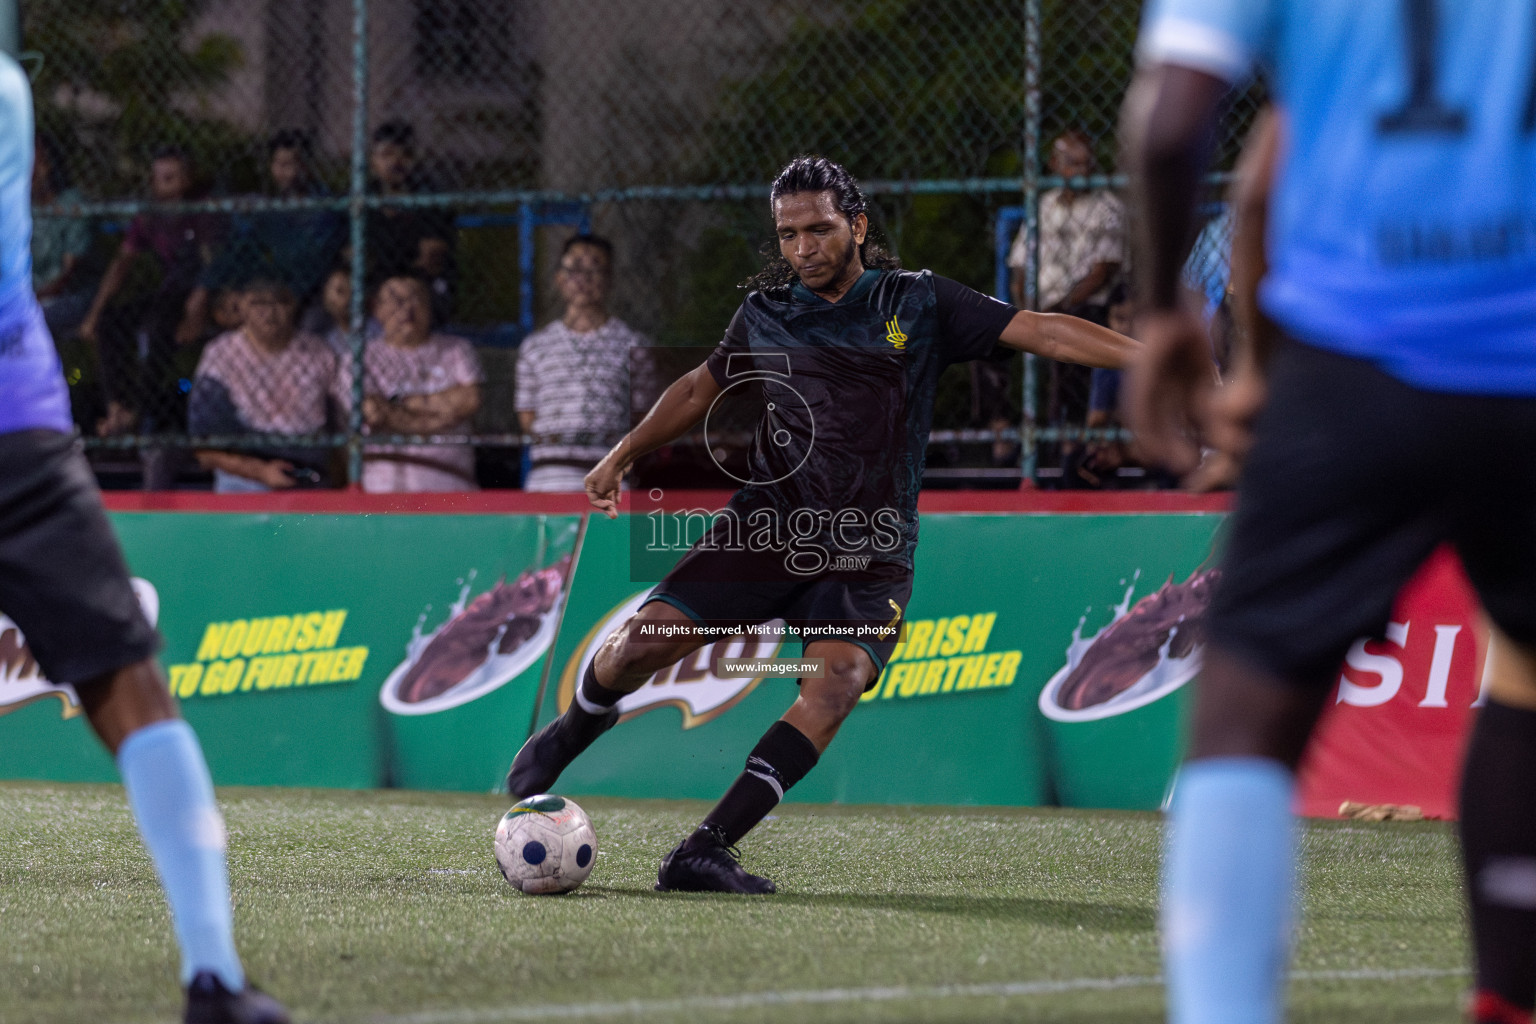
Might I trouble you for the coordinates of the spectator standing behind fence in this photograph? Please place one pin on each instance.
(59, 247)
(573, 375)
(1082, 247)
(294, 246)
(266, 378)
(1082, 238)
(135, 340)
(416, 381)
(408, 238)
(335, 313)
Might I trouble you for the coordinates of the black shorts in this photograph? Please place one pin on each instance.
(734, 588)
(63, 580)
(1354, 479)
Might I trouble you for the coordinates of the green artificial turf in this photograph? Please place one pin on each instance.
(388, 907)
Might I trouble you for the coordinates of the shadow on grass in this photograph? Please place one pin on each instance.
(1108, 917)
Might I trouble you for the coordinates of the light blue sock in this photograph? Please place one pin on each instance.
(172, 800)
(1228, 876)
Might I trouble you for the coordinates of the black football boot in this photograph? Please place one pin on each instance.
(704, 863)
(550, 751)
(209, 1002)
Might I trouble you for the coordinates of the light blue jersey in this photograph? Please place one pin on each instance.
(32, 390)
(1403, 224)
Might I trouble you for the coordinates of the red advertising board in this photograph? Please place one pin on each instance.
(1397, 718)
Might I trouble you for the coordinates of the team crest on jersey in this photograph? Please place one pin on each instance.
(894, 335)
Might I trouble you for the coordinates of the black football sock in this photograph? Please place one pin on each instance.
(1498, 842)
(591, 708)
(781, 758)
(551, 750)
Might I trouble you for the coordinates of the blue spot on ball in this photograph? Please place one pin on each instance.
(534, 853)
(584, 855)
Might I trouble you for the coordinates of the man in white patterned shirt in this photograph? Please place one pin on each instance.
(1082, 249)
(573, 374)
(1082, 238)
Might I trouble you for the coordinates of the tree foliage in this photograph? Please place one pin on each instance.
(893, 89)
(120, 77)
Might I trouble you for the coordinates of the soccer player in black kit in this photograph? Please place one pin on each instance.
(848, 349)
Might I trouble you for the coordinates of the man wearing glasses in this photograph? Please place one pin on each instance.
(573, 375)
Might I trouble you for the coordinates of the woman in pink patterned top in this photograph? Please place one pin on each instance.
(417, 382)
(265, 378)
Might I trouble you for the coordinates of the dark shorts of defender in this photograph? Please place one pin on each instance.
(63, 580)
(741, 588)
(1353, 480)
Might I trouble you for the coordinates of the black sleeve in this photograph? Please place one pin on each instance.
(211, 408)
(734, 343)
(969, 322)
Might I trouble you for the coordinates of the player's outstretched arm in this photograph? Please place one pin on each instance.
(679, 409)
(1069, 339)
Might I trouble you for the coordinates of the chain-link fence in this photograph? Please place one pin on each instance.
(302, 241)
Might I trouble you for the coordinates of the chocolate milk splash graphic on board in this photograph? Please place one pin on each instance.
(1149, 649)
(484, 643)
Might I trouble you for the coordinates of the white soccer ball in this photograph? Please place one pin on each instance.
(545, 844)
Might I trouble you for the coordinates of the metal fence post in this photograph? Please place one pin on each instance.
(358, 212)
(1031, 169)
(525, 268)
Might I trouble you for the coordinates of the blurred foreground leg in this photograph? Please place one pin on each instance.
(1498, 838)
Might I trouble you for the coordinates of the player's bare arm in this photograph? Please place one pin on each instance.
(1167, 123)
(1069, 339)
(679, 409)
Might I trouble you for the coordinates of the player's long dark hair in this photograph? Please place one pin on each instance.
(817, 174)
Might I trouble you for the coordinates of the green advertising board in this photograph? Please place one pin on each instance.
(1003, 605)
(418, 651)
(326, 650)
